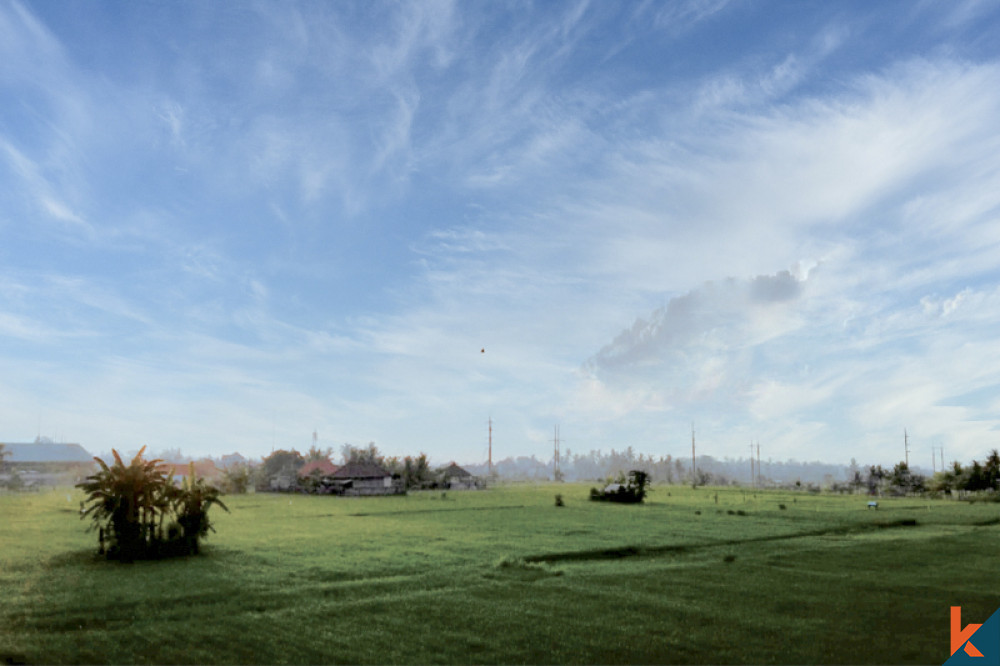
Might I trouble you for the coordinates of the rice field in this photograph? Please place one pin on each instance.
(713, 575)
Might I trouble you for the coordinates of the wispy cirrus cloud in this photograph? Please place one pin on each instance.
(326, 212)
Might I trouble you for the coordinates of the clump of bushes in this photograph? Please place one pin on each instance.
(630, 490)
(559, 500)
(139, 513)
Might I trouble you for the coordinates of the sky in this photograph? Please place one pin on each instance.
(228, 226)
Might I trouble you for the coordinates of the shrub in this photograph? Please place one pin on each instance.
(559, 500)
(237, 479)
(15, 482)
(629, 491)
(129, 505)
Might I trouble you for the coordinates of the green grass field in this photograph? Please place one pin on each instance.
(504, 576)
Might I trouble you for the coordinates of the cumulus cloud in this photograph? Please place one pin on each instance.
(730, 312)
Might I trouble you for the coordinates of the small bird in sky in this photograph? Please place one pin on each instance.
(483, 350)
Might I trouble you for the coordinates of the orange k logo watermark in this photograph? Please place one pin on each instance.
(960, 635)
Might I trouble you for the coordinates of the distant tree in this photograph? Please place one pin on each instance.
(15, 482)
(975, 479)
(3, 455)
(172, 455)
(280, 461)
(417, 472)
(393, 465)
(368, 454)
(236, 479)
(876, 476)
(702, 478)
(315, 453)
(857, 482)
(905, 480)
(900, 477)
(948, 480)
(992, 470)
(958, 476)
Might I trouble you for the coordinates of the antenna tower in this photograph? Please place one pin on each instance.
(490, 454)
(906, 446)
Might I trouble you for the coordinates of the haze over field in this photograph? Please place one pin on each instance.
(225, 226)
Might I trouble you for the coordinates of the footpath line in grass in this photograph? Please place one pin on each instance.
(652, 551)
(409, 512)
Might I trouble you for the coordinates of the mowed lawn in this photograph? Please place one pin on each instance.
(505, 576)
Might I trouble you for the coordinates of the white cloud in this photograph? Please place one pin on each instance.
(318, 221)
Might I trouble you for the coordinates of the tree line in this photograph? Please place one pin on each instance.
(414, 471)
(900, 480)
(709, 471)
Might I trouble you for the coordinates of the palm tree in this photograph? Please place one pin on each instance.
(129, 504)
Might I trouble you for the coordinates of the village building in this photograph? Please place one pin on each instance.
(364, 479)
(46, 463)
(203, 469)
(232, 460)
(318, 468)
(454, 477)
(286, 479)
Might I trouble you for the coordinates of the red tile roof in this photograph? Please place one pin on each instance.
(325, 467)
(204, 469)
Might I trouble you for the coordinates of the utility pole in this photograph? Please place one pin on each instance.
(555, 455)
(942, 459)
(906, 447)
(758, 464)
(694, 467)
(490, 454)
(753, 477)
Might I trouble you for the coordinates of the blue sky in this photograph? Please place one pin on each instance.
(226, 225)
